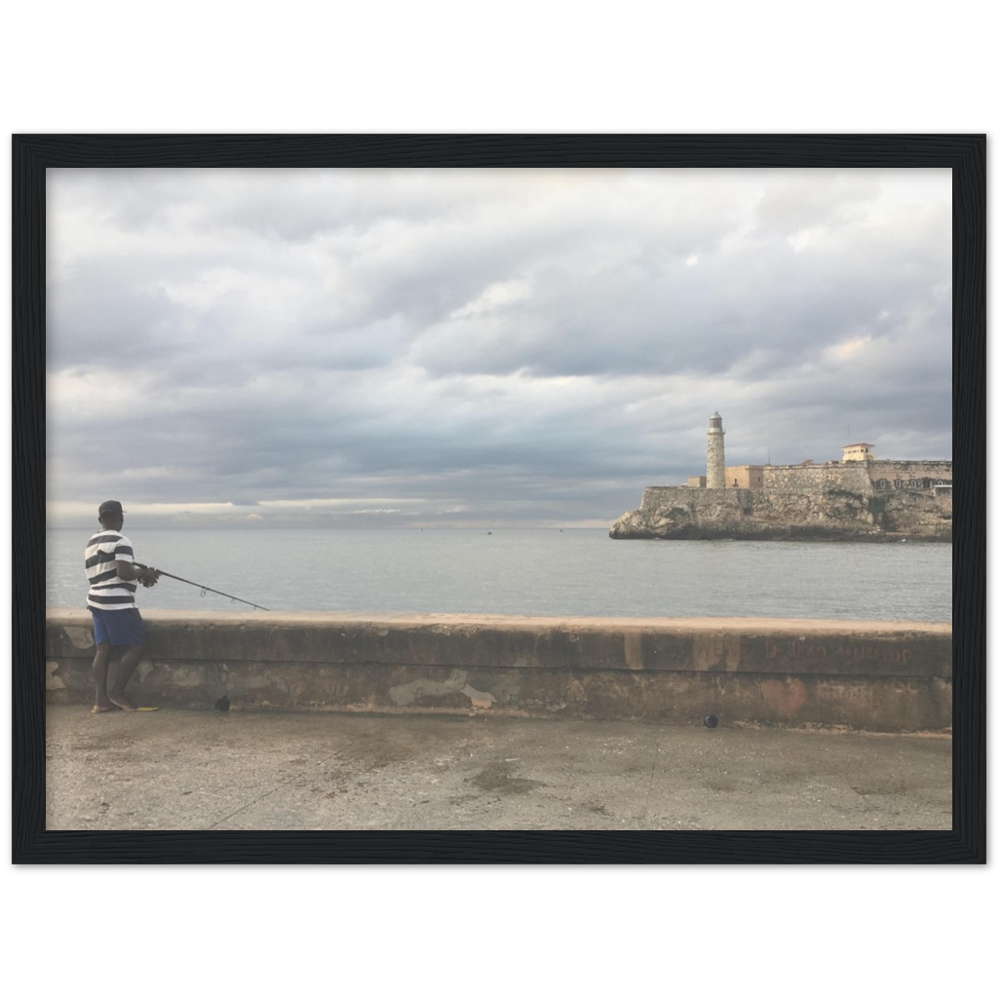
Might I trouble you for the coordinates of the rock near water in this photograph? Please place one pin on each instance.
(677, 512)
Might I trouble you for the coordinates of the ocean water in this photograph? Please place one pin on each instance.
(520, 572)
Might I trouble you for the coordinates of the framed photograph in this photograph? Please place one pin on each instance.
(530, 330)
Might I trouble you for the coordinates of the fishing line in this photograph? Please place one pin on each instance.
(203, 588)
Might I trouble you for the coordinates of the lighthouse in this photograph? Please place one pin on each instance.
(715, 478)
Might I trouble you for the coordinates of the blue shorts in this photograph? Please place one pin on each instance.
(119, 628)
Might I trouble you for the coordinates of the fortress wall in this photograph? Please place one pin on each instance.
(853, 477)
(818, 478)
(910, 470)
(889, 676)
(671, 496)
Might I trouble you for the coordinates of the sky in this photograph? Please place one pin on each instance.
(481, 348)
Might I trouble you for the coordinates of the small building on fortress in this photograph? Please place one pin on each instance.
(858, 496)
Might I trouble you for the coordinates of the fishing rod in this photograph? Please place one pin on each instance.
(202, 587)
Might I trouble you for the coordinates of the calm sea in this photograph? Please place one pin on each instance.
(521, 572)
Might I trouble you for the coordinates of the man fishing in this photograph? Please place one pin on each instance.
(113, 573)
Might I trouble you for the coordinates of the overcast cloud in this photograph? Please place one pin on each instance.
(481, 347)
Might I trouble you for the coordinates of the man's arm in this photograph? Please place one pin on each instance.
(147, 576)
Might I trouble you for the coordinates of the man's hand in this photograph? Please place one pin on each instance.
(146, 575)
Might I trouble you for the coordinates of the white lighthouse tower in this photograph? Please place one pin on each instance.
(715, 478)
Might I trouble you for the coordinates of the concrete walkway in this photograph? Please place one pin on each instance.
(186, 770)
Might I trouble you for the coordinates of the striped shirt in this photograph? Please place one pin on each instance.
(107, 589)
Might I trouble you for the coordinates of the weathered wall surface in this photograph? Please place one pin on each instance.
(890, 676)
(893, 470)
(818, 478)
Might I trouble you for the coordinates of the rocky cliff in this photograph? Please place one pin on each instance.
(827, 514)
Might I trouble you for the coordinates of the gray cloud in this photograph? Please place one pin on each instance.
(521, 345)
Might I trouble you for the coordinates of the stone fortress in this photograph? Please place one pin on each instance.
(856, 498)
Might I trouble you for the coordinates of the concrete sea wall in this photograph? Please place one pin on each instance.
(888, 676)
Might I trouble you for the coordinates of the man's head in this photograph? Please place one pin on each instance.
(110, 514)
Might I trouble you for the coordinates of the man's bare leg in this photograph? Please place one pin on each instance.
(129, 661)
(102, 703)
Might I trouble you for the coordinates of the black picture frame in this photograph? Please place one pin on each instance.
(964, 154)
